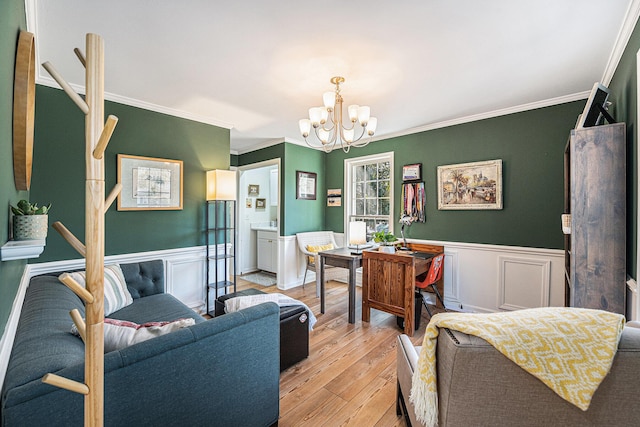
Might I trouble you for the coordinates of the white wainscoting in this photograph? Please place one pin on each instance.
(184, 271)
(493, 278)
(477, 277)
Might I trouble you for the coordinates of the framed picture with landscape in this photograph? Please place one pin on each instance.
(470, 186)
(149, 183)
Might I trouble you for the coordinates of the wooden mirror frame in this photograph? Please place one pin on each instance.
(24, 91)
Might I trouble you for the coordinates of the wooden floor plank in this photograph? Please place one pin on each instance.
(349, 378)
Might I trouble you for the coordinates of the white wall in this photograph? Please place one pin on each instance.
(247, 260)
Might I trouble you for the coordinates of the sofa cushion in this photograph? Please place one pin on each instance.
(156, 308)
(116, 294)
(43, 342)
(144, 278)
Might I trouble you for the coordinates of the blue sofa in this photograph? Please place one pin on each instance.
(218, 372)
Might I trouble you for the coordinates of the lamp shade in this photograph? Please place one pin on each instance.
(221, 185)
(372, 125)
(305, 127)
(357, 233)
(363, 115)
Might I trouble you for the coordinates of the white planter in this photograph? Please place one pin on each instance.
(389, 249)
(30, 227)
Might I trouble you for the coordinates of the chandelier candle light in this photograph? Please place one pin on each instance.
(335, 131)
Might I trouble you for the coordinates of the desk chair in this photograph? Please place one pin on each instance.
(429, 283)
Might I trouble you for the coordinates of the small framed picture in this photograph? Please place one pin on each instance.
(412, 172)
(306, 185)
(254, 190)
(249, 202)
(334, 197)
(261, 203)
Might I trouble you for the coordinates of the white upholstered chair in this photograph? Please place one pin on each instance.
(318, 238)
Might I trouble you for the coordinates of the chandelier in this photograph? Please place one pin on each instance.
(328, 125)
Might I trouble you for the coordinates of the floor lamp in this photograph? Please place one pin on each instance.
(221, 195)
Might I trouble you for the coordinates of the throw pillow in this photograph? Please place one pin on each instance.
(119, 334)
(316, 249)
(116, 294)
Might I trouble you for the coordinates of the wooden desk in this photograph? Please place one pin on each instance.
(388, 283)
(341, 257)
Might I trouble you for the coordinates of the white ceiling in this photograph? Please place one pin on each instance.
(256, 66)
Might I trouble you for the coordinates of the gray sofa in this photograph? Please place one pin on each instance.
(478, 386)
(219, 372)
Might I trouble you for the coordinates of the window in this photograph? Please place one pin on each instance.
(369, 191)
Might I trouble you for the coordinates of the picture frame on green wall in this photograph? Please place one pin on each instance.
(149, 183)
(306, 185)
(470, 186)
(412, 172)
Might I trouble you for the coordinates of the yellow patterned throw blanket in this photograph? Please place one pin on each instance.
(569, 349)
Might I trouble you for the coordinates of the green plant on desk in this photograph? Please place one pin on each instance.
(384, 237)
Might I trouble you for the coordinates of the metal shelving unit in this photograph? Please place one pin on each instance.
(220, 228)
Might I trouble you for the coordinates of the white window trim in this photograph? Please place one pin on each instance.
(357, 161)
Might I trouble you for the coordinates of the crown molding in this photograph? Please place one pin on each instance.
(447, 123)
(488, 115)
(48, 81)
(628, 25)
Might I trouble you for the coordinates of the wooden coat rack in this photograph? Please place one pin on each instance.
(97, 136)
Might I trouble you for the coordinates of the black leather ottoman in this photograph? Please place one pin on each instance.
(294, 328)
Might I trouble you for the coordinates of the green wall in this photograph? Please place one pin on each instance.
(12, 20)
(304, 215)
(59, 173)
(623, 88)
(531, 146)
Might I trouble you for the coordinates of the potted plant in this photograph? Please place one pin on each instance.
(387, 240)
(30, 221)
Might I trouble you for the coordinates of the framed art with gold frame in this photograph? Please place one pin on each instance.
(149, 183)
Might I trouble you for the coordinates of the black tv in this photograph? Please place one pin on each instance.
(595, 110)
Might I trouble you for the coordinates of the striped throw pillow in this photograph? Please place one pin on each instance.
(116, 294)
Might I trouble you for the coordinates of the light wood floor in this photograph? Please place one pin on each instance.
(349, 378)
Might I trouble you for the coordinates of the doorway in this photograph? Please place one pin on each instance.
(258, 208)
